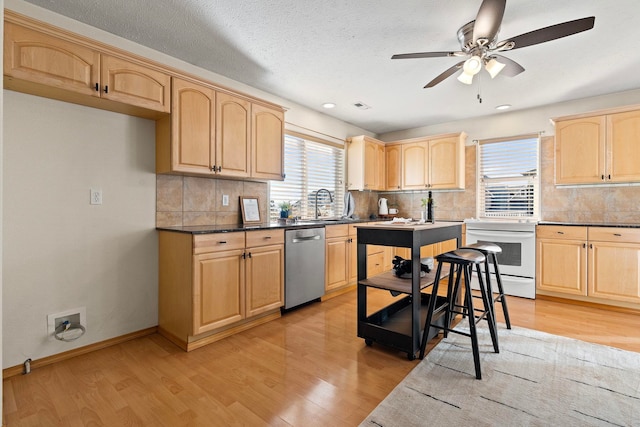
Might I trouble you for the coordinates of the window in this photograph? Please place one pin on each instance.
(508, 180)
(309, 165)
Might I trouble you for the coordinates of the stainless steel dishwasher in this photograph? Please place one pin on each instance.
(304, 266)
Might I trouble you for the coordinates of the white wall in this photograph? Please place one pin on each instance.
(519, 122)
(60, 252)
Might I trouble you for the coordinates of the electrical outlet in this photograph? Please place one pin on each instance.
(96, 196)
(74, 315)
(225, 200)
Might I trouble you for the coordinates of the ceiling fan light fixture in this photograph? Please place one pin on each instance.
(465, 78)
(494, 67)
(473, 65)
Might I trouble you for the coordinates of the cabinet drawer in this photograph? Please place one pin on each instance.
(610, 234)
(561, 232)
(375, 264)
(203, 243)
(264, 237)
(353, 230)
(337, 230)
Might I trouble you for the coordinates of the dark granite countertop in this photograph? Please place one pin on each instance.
(227, 228)
(573, 224)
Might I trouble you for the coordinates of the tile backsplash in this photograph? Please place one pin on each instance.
(586, 204)
(185, 200)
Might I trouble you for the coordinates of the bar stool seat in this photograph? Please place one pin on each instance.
(490, 251)
(462, 262)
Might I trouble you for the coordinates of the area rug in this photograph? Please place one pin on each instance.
(537, 379)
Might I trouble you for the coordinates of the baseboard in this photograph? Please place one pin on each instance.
(338, 292)
(38, 363)
(201, 342)
(602, 306)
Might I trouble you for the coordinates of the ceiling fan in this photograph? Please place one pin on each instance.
(478, 42)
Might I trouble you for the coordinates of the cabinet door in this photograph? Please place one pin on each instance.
(353, 259)
(218, 291)
(414, 161)
(370, 165)
(40, 58)
(562, 266)
(265, 279)
(580, 152)
(337, 263)
(135, 84)
(393, 157)
(233, 134)
(614, 271)
(380, 167)
(267, 149)
(446, 163)
(623, 149)
(193, 126)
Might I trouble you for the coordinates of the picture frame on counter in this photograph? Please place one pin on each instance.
(250, 207)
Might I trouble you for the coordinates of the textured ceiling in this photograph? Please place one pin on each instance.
(312, 52)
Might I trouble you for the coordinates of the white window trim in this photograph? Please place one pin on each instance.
(480, 208)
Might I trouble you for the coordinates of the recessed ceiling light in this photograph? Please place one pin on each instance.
(503, 107)
(328, 105)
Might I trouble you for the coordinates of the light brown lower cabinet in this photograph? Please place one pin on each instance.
(213, 285)
(596, 264)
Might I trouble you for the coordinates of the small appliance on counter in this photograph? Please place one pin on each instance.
(383, 208)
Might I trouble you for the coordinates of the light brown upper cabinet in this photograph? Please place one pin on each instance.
(365, 164)
(434, 163)
(185, 141)
(56, 67)
(393, 163)
(598, 149)
(215, 133)
(233, 136)
(267, 142)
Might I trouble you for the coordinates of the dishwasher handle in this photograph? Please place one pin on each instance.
(304, 239)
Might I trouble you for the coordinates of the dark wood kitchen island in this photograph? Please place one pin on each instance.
(399, 325)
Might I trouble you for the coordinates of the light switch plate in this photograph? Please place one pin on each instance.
(225, 200)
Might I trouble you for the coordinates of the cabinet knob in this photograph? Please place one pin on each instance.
(97, 87)
(609, 177)
(584, 245)
(602, 177)
(213, 168)
(617, 234)
(106, 88)
(560, 232)
(590, 245)
(219, 168)
(222, 242)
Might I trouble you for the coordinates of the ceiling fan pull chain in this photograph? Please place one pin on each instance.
(479, 96)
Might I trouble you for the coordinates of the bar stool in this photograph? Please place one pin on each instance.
(462, 261)
(491, 250)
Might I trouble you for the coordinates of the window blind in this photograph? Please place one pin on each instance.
(508, 179)
(309, 165)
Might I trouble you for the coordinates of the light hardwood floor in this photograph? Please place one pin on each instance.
(307, 368)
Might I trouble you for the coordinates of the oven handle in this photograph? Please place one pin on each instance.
(520, 234)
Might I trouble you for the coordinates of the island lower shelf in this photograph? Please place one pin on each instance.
(392, 325)
(389, 281)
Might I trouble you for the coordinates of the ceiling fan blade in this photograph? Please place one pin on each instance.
(488, 20)
(550, 33)
(426, 55)
(511, 67)
(447, 73)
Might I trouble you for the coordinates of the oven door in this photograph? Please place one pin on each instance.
(518, 257)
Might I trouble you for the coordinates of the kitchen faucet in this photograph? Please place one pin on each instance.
(316, 200)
